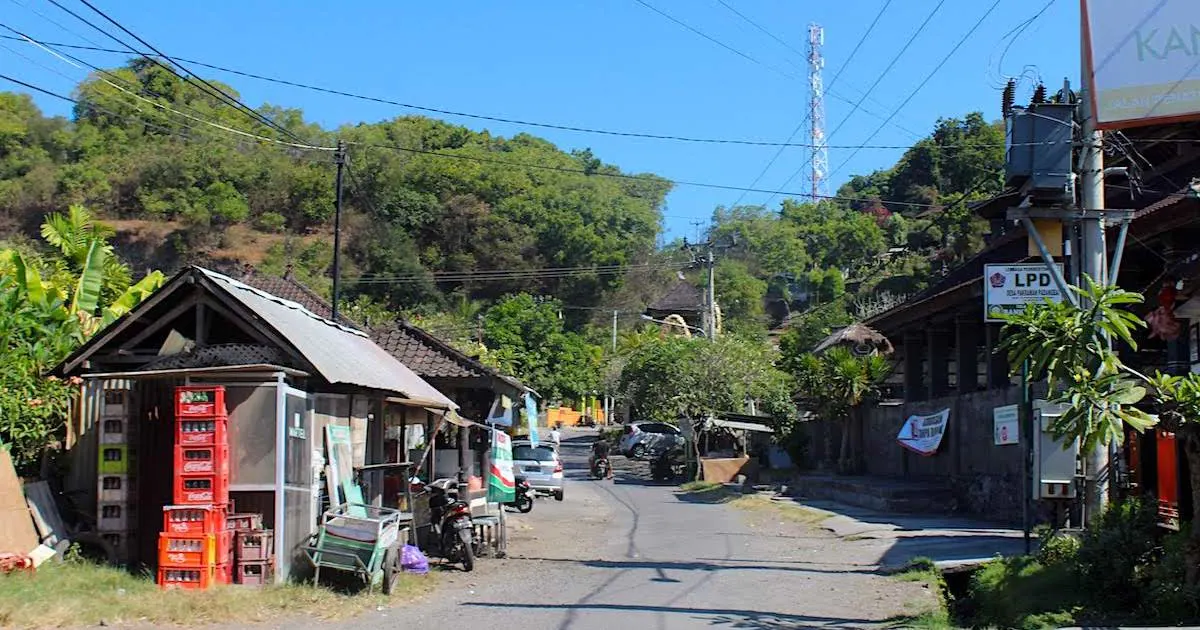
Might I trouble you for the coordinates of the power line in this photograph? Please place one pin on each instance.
(759, 27)
(714, 40)
(926, 80)
(79, 63)
(203, 85)
(474, 116)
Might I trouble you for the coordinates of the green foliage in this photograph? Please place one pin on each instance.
(1055, 547)
(1066, 345)
(524, 336)
(669, 378)
(1116, 551)
(838, 380)
(1021, 592)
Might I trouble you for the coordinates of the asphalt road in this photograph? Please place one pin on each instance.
(631, 554)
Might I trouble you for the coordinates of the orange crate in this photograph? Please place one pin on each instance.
(205, 401)
(192, 551)
(202, 432)
(193, 519)
(202, 490)
(202, 460)
(193, 578)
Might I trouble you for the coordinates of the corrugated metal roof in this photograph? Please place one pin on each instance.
(340, 354)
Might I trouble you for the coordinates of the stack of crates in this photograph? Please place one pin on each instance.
(195, 548)
(115, 496)
(254, 550)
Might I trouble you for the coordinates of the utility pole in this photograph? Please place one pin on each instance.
(609, 400)
(712, 294)
(1092, 258)
(339, 158)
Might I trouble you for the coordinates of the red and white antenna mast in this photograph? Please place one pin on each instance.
(816, 112)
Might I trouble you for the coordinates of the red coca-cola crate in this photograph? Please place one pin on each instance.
(202, 460)
(257, 573)
(201, 489)
(202, 432)
(196, 550)
(193, 578)
(193, 519)
(254, 546)
(205, 401)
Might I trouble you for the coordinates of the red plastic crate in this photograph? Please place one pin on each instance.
(254, 546)
(256, 573)
(202, 432)
(202, 490)
(193, 519)
(192, 551)
(202, 460)
(247, 521)
(204, 401)
(193, 578)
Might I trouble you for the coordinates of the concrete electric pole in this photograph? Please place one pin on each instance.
(1092, 260)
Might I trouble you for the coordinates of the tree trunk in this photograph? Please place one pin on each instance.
(1191, 553)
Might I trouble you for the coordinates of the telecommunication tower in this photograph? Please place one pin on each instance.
(816, 113)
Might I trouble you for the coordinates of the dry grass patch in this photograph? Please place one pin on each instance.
(79, 594)
(786, 510)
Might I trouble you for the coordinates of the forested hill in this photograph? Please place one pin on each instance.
(180, 190)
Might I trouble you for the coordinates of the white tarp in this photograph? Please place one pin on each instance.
(923, 434)
(1143, 60)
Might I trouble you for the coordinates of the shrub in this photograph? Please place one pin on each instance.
(1165, 597)
(1055, 546)
(271, 222)
(1116, 553)
(1023, 593)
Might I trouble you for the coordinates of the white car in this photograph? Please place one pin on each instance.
(539, 465)
(640, 437)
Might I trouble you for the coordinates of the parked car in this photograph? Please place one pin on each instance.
(640, 437)
(540, 465)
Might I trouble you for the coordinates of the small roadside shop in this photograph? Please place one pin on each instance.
(286, 375)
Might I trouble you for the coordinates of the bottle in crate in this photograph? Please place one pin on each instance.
(254, 545)
(202, 432)
(124, 544)
(205, 401)
(115, 459)
(193, 578)
(257, 573)
(188, 551)
(115, 403)
(115, 489)
(202, 460)
(201, 489)
(114, 517)
(115, 431)
(193, 519)
(242, 522)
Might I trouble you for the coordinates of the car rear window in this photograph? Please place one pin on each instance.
(529, 453)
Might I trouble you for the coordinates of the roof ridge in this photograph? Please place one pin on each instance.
(238, 284)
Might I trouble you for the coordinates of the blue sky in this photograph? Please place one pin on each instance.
(608, 64)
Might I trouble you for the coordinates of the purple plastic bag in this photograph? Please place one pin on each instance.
(413, 561)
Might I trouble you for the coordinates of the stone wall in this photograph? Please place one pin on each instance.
(985, 479)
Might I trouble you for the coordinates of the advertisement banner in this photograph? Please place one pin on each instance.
(923, 434)
(501, 482)
(1007, 289)
(531, 416)
(1142, 60)
(1006, 425)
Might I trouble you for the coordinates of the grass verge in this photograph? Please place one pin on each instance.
(1023, 593)
(925, 615)
(81, 594)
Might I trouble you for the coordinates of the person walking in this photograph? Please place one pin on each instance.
(555, 436)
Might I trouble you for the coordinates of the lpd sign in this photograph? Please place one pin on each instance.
(1007, 289)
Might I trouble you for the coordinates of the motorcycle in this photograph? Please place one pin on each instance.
(600, 468)
(523, 499)
(666, 463)
(451, 521)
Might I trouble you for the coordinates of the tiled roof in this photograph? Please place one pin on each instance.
(684, 297)
(422, 352)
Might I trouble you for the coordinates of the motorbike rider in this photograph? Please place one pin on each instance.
(600, 449)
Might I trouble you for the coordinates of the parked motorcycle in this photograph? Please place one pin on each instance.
(600, 468)
(451, 521)
(666, 463)
(523, 499)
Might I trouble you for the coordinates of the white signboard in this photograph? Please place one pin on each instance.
(923, 434)
(1008, 288)
(1006, 425)
(1142, 60)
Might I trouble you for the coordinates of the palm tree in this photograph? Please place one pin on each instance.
(838, 384)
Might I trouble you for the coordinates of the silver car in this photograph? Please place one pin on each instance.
(539, 465)
(641, 437)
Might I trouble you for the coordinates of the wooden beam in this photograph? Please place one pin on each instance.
(162, 322)
(201, 324)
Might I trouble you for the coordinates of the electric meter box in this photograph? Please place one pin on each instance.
(1054, 467)
(1039, 152)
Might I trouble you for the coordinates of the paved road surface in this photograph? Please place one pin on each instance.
(629, 554)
